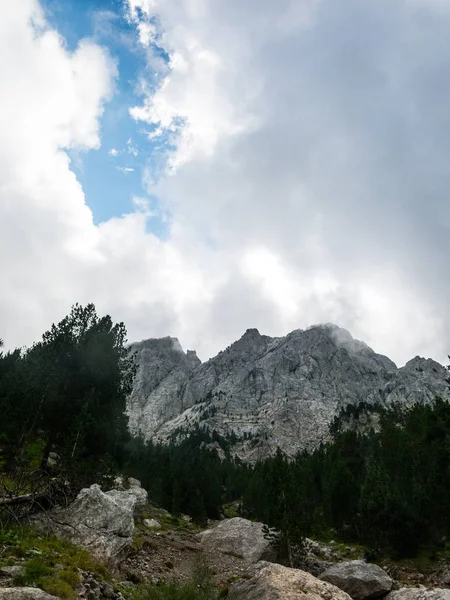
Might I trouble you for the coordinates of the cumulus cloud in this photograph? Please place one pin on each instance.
(52, 253)
(306, 177)
(310, 148)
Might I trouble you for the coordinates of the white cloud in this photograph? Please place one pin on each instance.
(310, 132)
(52, 253)
(125, 170)
(131, 148)
(309, 174)
(113, 152)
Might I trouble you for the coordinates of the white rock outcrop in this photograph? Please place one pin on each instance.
(101, 522)
(238, 537)
(271, 392)
(361, 580)
(152, 524)
(270, 581)
(134, 494)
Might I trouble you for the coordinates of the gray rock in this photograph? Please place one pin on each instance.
(102, 523)
(152, 524)
(53, 459)
(270, 581)
(419, 594)
(107, 590)
(315, 566)
(361, 580)
(128, 490)
(238, 537)
(24, 593)
(160, 390)
(271, 391)
(12, 571)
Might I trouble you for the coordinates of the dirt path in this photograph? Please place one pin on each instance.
(169, 555)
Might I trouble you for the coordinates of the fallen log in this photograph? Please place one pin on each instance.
(25, 499)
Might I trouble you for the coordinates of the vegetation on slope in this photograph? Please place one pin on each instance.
(48, 563)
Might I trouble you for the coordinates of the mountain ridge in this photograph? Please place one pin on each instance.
(270, 392)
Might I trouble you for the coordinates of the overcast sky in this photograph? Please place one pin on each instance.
(199, 167)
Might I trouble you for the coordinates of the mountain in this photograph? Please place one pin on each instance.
(266, 392)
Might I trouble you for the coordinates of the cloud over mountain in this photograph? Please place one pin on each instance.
(307, 173)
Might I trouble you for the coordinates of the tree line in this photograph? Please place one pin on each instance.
(66, 395)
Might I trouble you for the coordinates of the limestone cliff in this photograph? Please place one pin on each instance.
(268, 391)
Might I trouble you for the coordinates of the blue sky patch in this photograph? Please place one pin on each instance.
(113, 175)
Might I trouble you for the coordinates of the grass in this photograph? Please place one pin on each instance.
(166, 520)
(49, 563)
(201, 587)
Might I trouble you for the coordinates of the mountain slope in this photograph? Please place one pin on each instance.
(271, 392)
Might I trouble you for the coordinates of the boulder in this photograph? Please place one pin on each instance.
(361, 580)
(24, 593)
(133, 490)
(12, 571)
(134, 485)
(53, 460)
(152, 524)
(107, 590)
(269, 581)
(238, 537)
(414, 593)
(102, 523)
(315, 566)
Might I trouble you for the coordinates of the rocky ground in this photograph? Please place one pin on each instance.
(175, 555)
(106, 544)
(176, 551)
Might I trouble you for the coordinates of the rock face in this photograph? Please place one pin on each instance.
(25, 593)
(161, 391)
(268, 391)
(101, 522)
(135, 496)
(239, 537)
(419, 594)
(275, 582)
(361, 580)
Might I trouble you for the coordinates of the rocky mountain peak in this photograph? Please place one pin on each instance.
(163, 368)
(419, 364)
(193, 359)
(271, 392)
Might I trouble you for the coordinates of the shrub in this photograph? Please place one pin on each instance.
(201, 587)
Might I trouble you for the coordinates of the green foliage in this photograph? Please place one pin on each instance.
(42, 555)
(201, 587)
(56, 586)
(188, 477)
(24, 542)
(388, 490)
(284, 516)
(35, 569)
(67, 394)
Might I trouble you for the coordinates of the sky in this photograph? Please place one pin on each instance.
(198, 167)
